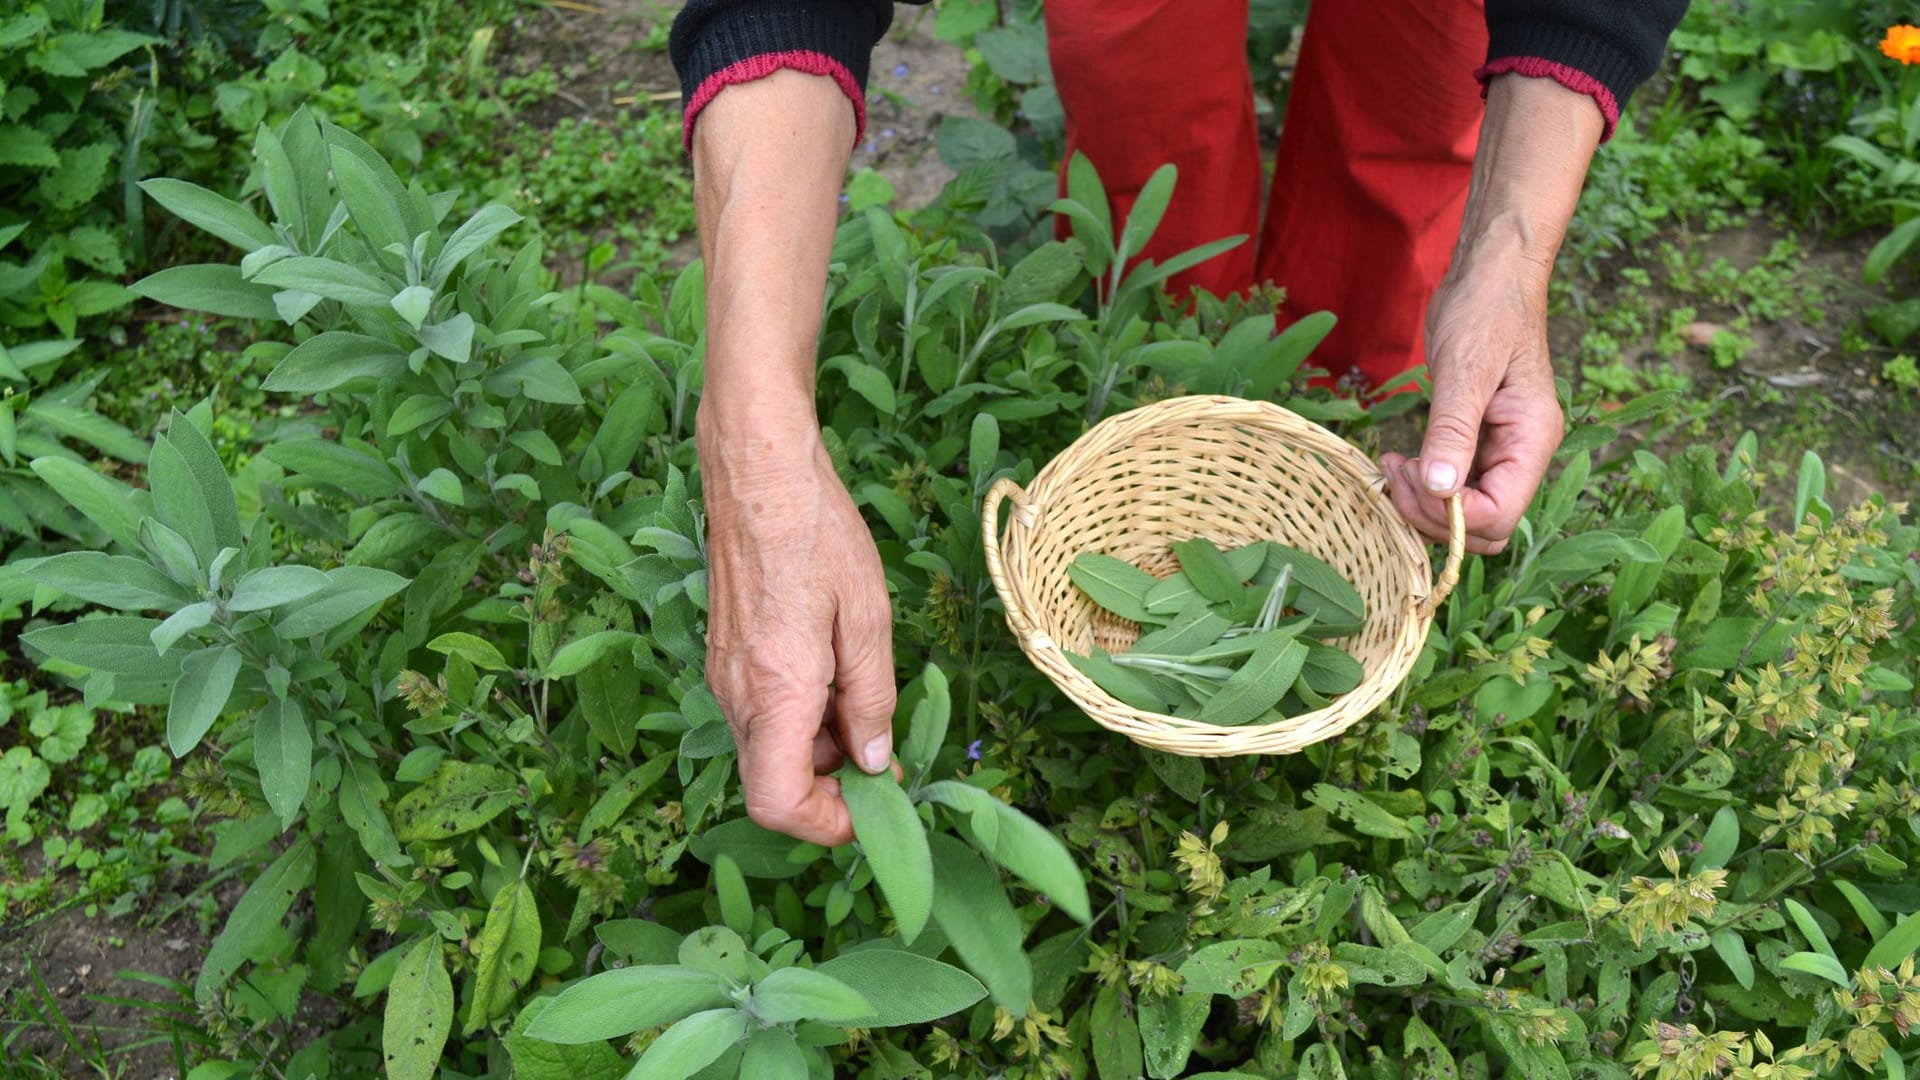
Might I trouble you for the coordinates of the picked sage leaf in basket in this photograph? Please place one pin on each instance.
(1230, 638)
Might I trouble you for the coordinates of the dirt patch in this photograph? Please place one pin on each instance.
(916, 81)
(606, 58)
(106, 978)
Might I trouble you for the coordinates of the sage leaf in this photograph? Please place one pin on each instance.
(1131, 687)
(894, 843)
(1260, 683)
(904, 988)
(616, 1003)
(283, 754)
(971, 908)
(773, 1054)
(690, 1045)
(1193, 627)
(1318, 578)
(1115, 585)
(1330, 671)
(1021, 844)
(114, 581)
(792, 994)
(1208, 570)
(200, 696)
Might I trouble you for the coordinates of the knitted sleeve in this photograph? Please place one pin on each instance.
(717, 43)
(1601, 48)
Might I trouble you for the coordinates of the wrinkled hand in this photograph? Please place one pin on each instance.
(799, 637)
(1495, 420)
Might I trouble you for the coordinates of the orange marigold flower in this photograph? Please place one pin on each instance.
(1902, 43)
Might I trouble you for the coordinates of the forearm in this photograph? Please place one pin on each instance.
(768, 159)
(1535, 145)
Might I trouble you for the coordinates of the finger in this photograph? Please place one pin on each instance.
(827, 755)
(864, 692)
(777, 772)
(1428, 513)
(1453, 430)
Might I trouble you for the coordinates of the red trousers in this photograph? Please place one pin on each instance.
(1372, 173)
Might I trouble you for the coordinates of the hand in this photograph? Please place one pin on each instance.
(1495, 420)
(800, 629)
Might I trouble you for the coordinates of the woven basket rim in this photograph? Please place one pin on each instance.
(1360, 480)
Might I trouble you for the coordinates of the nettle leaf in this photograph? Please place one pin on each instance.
(459, 798)
(799, 994)
(904, 987)
(1021, 844)
(509, 946)
(419, 1013)
(894, 842)
(283, 753)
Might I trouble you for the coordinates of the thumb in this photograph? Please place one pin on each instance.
(1453, 432)
(864, 692)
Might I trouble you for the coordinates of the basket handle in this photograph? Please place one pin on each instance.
(1456, 551)
(1025, 512)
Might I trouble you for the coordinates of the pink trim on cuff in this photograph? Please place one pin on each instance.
(759, 67)
(1572, 78)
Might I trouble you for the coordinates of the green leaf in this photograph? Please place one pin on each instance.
(1811, 487)
(1870, 917)
(799, 994)
(213, 213)
(374, 196)
(736, 904)
(283, 753)
(617, 1003)
(1119, 587)
(509, 947)
(1720, 842)
(178, 503)
(473, 235)
(327, 278)
(1168, 1027)
(578, 655)
(460, 797)
(23, 777)
(905, 988)
(476, 650)
(1148, 208)
(1898, 944)
(1022, 845)
(1590, 551)
(866, 380)
(536, 1059)
(336, 360)
(1232, 968)
(1732, 950)
(114, 581)
(272, 586)
(412, 304)
(1259, 684)
(353, 471)
(120, 644)
(1207, 570)
(690, 1045)
(637, 941)
(452, 340)
(894, 843)
(1820, 964)
(107, 502)
(972, 910)
(928, 706)
(206, 682)
(1116, 1038)
(1319, 579)
(773, 1054)
(215, 288)
(192, 617)
(1362, 813)
(256, 918)
(351, 592)
(419, 1013)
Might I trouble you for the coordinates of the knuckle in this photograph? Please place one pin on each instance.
(769, 813)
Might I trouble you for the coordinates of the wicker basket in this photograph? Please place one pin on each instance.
(1236, 472)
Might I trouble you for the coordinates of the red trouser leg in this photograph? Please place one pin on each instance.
(1372, 175)
(1146, 82)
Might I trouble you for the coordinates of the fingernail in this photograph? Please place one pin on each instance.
(879, 753)
(1440, 476)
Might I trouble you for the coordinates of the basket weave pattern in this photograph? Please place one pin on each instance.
(1236, 472)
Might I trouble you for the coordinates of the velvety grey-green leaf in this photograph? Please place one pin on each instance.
(114, 581)
(904, 987)
(283, 755)
(1207, 569)
(971, 908)
(327, 278)
(120, 644)
(690, 1045)
(272, 586)
(108, 503)
(200, 695)
(894, 843)
(352, 591)
(257, 916)
(772, 1054)
(928, 707)
(612, 1004)
(1130, 686)
(1193, 628)
(216, 214)
(334, 360)
(419, 1013)
(1328, 670)
(578, 655)
(1022, 845)
(793, 993)
(1318, 577)
(177, 500)
(1261, 682)
(215, 288)
(1118, 586)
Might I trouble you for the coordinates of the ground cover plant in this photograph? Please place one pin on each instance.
(396, 633)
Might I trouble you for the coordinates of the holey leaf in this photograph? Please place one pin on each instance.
(894, 843)
(509, 945)
(459, 797)
(419, 1013)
